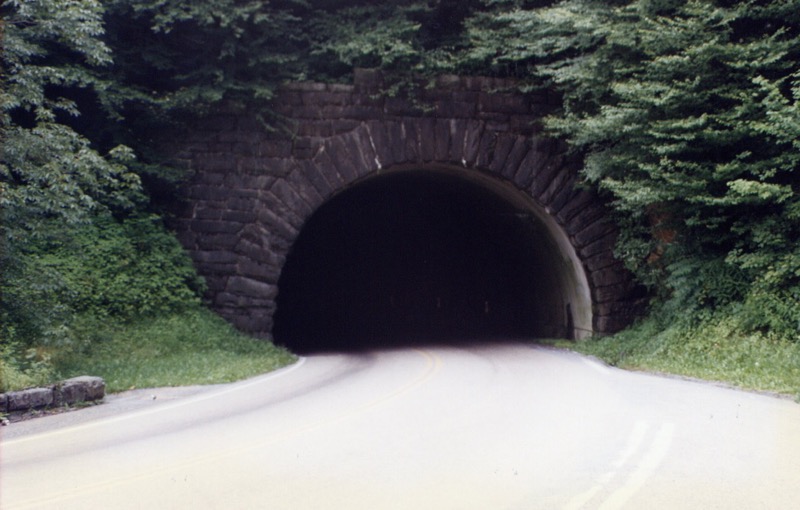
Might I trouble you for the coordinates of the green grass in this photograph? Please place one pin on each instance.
(194, 347)
(714, 350)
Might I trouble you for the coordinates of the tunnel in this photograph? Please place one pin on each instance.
(422, 255)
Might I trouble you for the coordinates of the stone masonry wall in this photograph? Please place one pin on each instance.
(253, 188)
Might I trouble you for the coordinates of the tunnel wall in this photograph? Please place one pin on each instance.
(252, 188)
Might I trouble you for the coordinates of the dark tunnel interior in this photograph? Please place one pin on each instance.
(417, 257)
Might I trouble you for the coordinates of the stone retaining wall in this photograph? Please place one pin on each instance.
(69, 392)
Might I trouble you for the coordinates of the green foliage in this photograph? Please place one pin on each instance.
(23, 368)
(187, 57)
(687, 113)
(384, 36)
(49, 171)
(123, 270)
(193, 346)
(715, 348)
(109, 269)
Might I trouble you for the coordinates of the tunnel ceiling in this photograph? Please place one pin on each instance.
(417, 256)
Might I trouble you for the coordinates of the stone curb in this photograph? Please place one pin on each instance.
(72, 391)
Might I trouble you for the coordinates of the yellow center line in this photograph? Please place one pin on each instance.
(643, 471)
(634, 442)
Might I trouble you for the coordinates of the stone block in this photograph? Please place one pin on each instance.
(305, 86)
(395, 137)
(560, 179)
(617, 308)
(242, 203)
(299, 182)
(238, 216)
(341, 126)
(323, 160)
(80, 389)
(327, 97)
(216, 241)
(611, 324)
(472, 138)
(611, 293)
(261, 272)
(458, 129)
(426, 131)
(379, 140)
(524, 124)
(465, 96)
(291, 198)
(542, 179)
(600, 260)
(214, 162)
(399, 106)
(486, 147)
(590, 213)
(211, 178)
(206, 213)
(3, 403)
(515, 157)
(252, 287)
(314, 129)
(341, 159)
(503, 103)
(225, 299)
(274, 149)
(277, 224)
(360, 150)
(593, 232)
(503, 146)
(215, 227)
(313, 174)
(206, 192)
(448, 81)
(367, 80)
(215, 257)
(579, 203)
(564, 194)
(609, 276)
(603, 245)
(442, 136)
(34, 398)
(529, 167)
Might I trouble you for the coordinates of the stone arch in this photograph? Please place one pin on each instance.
(253, 191)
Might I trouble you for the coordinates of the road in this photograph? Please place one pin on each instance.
(504, 426)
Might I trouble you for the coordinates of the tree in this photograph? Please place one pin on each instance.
(687, 114)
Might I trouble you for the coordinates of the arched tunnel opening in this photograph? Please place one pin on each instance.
(423, 256)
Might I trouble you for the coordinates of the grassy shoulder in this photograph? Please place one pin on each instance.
(716, 349)
(192, 347)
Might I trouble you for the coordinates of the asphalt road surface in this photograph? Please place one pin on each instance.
(505, 426)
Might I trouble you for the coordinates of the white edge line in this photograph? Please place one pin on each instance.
(596, 366)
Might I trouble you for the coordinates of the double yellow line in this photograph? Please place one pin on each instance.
(637, 478)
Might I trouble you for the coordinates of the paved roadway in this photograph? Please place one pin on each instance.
(507, 426)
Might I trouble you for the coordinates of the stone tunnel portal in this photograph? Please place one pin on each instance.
(428, 255)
